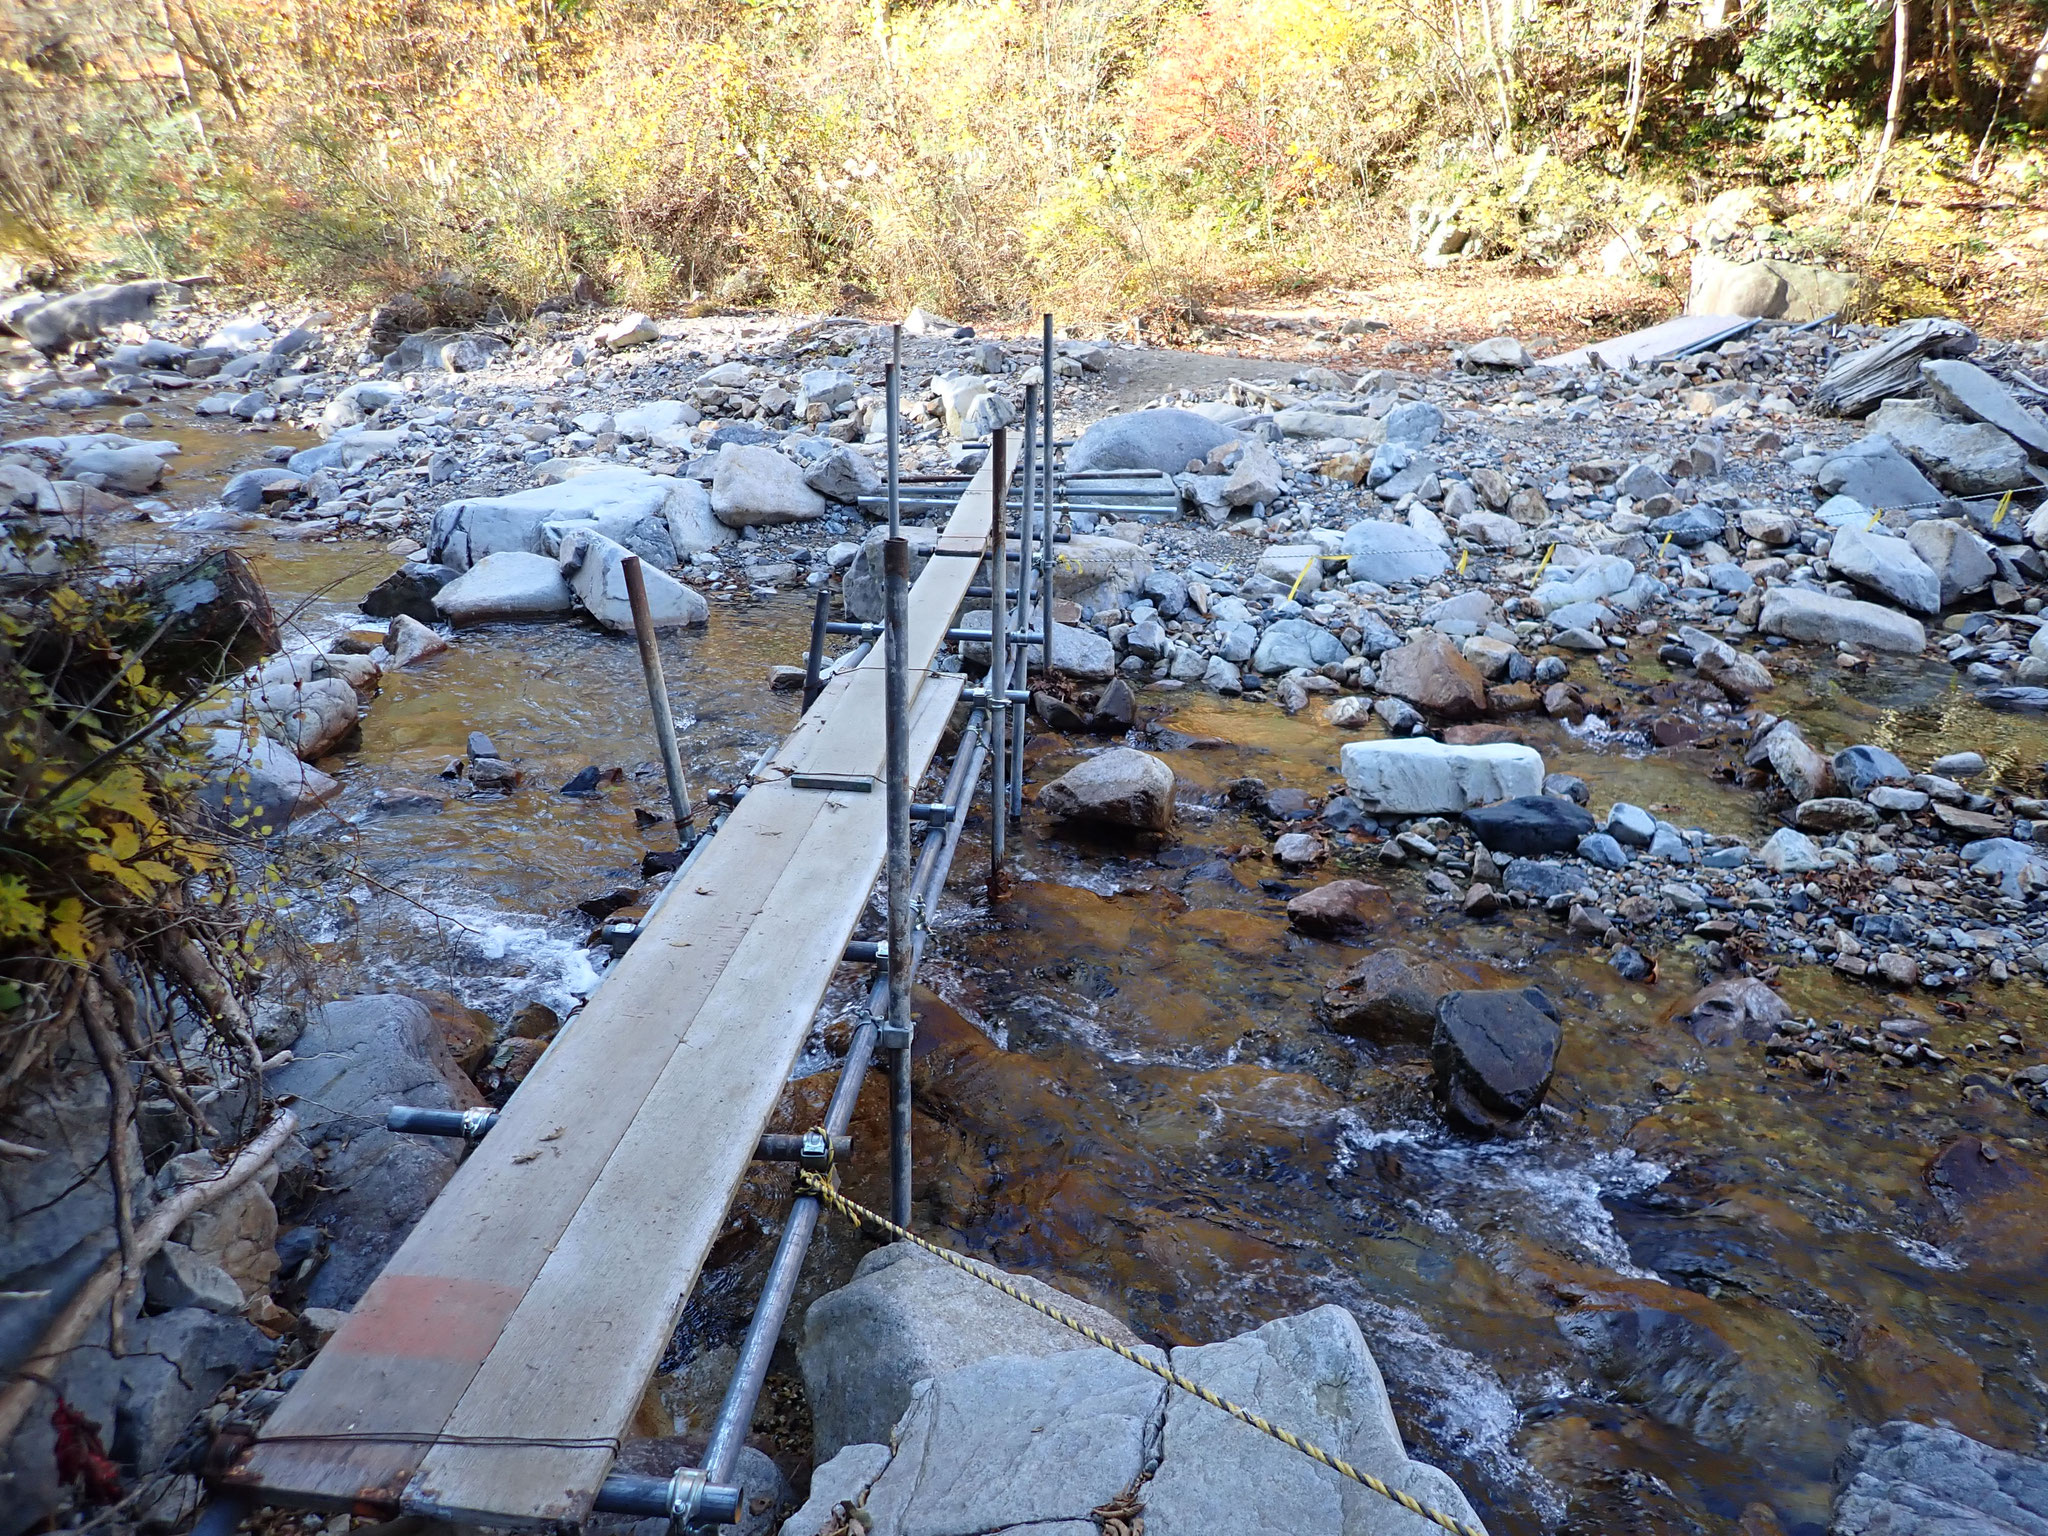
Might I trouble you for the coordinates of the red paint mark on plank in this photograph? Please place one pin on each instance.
(427, 1317)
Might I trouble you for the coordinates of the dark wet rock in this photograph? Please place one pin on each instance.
(1969, 1170)
(480, 745)
(1391, 995)
(1530, 825)
(1121, 788)
(1910, 1479)
(1116, 710)
(585, 782)
(1493, 1055)
(1341, 813)
(409, 590)
(1690, 528)
(1057, 714)
(1542, 879)
(1863, 768)
(248, 491)
(661, 861)
(1741, 1008)
(365, 1185)
(1629, 964)
(1290, 805)
(217, 613)
(1340, 909)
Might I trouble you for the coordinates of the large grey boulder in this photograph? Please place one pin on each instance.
(1032, 1445)
(907, 1317)
(1095, 571)
(1926, 1480)
(256, 784)
(1770, 290)
(1314, 1375)
(1958, 557)
(1121, 787)
(756, 487)
(1873, 471)
(596, 570)
(658, 517)
(844, 475)
(1392, 552)
(357, 1057)
(861, 588)
(311, 717)
(130, 470)
(1887, 566)
(1970, 392)
(508, 585)
(1966, 457)
(1082, 653)
(1418, 776)
(1166, 440)
(1815, 617)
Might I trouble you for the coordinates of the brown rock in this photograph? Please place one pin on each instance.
(1340, 909)
(466, 1032)
(1563, 701)
(1481, 901)
(1390, 995)
(1482, 735)
(1430, 674)
(1897, 970)
(1512, 699)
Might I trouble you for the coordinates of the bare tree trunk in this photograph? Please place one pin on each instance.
(1895, 108)
(1637, 51)
(2034, 104)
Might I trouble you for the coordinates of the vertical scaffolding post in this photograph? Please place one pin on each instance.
(657, 697)
(1046, 490)
(998, 656)
(894, 1035)
(1026, 504)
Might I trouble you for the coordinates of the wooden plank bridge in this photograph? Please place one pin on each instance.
(490, 1370)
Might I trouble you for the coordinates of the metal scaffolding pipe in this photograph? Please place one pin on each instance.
(998, 662)
(657, 697)
(814, 661)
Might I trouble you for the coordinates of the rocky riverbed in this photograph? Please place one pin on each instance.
(1541, 859)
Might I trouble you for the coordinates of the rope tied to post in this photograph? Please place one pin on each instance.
(810, 1184)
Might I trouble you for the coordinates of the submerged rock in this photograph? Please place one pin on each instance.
(1390, 995)
(1340, 909)
(1729, 1012)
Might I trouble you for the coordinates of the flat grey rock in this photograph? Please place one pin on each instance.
(1921, 1480)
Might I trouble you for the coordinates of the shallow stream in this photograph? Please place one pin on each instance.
(1665, 1309)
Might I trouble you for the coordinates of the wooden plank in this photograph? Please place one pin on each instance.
(848, 737)
(1654, 344)
(578, 1351)
(411, 1347)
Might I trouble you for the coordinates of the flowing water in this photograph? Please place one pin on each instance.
(1667, 1305)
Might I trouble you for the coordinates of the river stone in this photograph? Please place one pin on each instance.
(510, 584)
(1314, 1374)
(1928, 1480)
(357, 1057)
(596, 572)
(1630, 824)
(1340, 909)
(408, 590)
(1786, 852)
(1815, 617)
(1542, 879)
(1530, 825)
(2019, 868)
(1415, 421)
(1291, 643)
(310, 717)
(1602, 576)
(178, 1277)
(1165, 440)
(905, 1318)
(257, 786)
(1862, 768)
(1417, 776)
(1094, 571)
(1492, 1055)
(1121, 787)
(1969, 391)
(248, 491)
(129, 470)
(754, 487)
(1799, 767)
(1874, 472)
(844, 475)
(1959, 558)
(1733, 1011)
(55, 323)
(1390, 996)
(1430, 674)
(1392, 552)
(176, 1364)
(1885, 566)
(657, 516)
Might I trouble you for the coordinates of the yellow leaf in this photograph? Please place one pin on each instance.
(123, 841)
